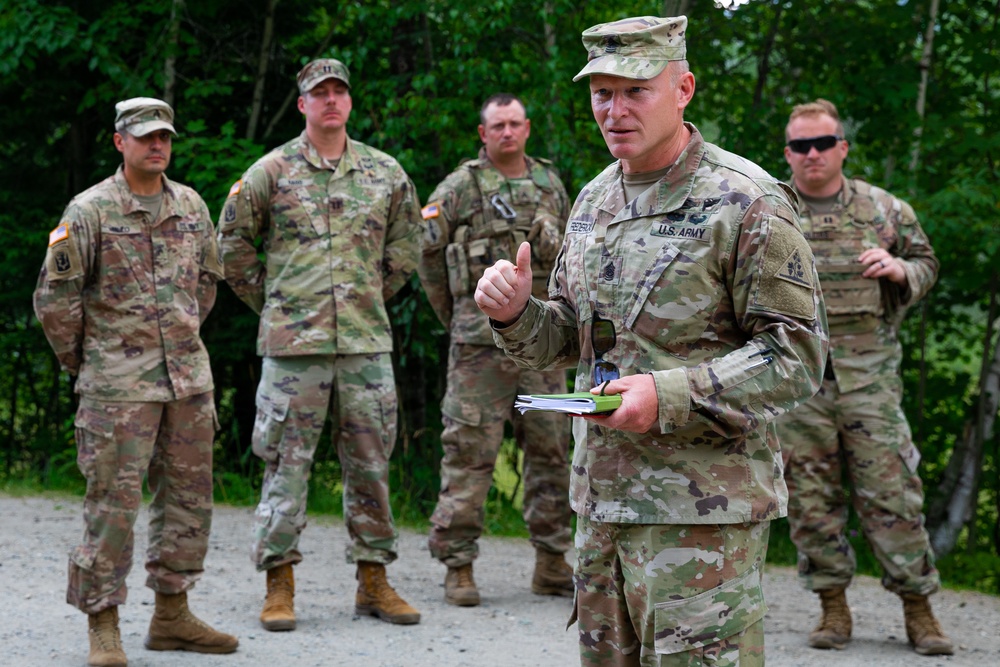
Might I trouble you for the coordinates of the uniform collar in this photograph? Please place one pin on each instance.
(669, 193)
(844, 197)
(348, 160)
(131, 205)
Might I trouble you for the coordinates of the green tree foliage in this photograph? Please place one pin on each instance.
(420, 70)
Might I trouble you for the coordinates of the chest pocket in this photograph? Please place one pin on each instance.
(674, 300)
(295, 205)
(126, 258)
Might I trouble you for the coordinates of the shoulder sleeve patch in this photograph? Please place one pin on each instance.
(786, 281)
(431, 211)
(60, 233)
(235, 190)
(63, 258)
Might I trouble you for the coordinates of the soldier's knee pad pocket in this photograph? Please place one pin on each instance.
(709, 617)
(269, 426)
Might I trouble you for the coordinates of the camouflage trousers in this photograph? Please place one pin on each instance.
(862, 435)
(482, 386)
(117, 443)
(294, 396)
(670, 595)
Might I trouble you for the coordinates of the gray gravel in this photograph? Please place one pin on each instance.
(512, 626)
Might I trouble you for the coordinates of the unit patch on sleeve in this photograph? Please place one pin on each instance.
(785, 283)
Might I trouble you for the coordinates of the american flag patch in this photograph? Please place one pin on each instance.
(430, 211)
(60, 233)
(235, 190)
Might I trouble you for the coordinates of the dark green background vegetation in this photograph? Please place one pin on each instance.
(419, 72)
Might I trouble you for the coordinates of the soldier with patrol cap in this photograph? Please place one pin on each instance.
(684, 285)
(129, 277)
(874, 262)
(337, 224)
(480, 213)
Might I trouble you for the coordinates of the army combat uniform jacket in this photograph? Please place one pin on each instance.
(337, 244)
(466, 232)
(865, 314)
(121, 297)
(712, 289)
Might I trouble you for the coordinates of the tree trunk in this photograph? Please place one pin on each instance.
(676, 7)
(262, 63)
(763, 64)
(925, 67)
(961, 479)
(170, 64)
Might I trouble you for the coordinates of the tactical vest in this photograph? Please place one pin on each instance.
(503, 220)
(837, 238)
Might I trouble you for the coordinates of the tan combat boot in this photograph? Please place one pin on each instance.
(553, 575)
(376, 597)
(174, 628)
(279, 610)
(105, 640)
(460, 588)
(834, 629)
(922, 629)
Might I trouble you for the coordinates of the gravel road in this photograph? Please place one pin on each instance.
(511, 628)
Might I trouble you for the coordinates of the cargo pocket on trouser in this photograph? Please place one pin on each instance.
(269, 426)
(96, 453)
(698, 623)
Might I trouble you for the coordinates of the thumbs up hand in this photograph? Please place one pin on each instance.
(503, 291)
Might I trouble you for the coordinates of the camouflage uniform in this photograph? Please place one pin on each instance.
(466, 233)
(121, 298)
(337, 243)
(711, 290)
(855, 424)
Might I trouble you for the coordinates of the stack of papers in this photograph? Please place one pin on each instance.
(579, 403)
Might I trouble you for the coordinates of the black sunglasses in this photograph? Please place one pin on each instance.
(603, 339)
(824, 143)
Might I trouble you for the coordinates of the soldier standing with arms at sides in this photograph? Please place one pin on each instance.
(874, 262)
(128, 280)
(338, 223)
(685, 285)
(480, 213)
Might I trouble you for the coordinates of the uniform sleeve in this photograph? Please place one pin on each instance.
(57, 299)
(243, 226)
(440, 220)
(402, 242)
(914, 251)
(777, 301)
(209, 266)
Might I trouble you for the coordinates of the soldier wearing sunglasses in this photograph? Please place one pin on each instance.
(874, 262)
(685, 285)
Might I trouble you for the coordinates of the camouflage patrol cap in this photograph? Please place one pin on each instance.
(321, 70)
(634, 48)
(141, 115)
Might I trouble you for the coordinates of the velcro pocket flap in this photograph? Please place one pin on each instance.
(274, 406)
(709, 617)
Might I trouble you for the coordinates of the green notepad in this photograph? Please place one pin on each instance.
(578, 403)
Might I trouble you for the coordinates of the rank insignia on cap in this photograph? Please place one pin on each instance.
(60, 233)
(430, 211)
(235, 190)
